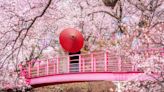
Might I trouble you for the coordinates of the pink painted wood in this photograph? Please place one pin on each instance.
(105, 61)
(68, 64)
(57, 65)
(80, 63)
(93, 66)
(38, 68)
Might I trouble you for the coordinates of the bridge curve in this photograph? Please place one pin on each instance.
(83, 77)
(88, 67)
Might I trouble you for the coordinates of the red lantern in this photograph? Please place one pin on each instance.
(71, 40)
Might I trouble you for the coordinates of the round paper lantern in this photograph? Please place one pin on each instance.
(71, 40)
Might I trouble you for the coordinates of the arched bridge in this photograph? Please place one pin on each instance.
(83, 67)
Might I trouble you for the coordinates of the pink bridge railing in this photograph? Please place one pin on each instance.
(99, 62)
(94, 62)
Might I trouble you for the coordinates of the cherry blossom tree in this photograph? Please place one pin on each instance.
(30, 30)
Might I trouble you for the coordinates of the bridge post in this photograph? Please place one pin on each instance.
(83, 65)
(92, 63)
(134, 68)
(68, 66)
(119, 63)
(105, 61)
(79, 63)
(57, 65)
